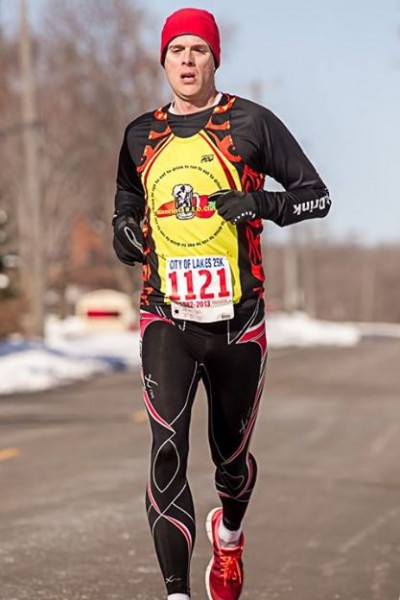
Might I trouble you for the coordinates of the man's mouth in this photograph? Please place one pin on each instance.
(188, 77)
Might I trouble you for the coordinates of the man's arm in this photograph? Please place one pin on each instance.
(305, 195)
(271, 149)
(129, 210)
(129, 197)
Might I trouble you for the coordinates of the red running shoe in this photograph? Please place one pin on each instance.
(224, 574)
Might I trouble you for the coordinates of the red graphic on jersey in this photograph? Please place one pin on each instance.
(186, 205)
(253, 230)
(251, 180)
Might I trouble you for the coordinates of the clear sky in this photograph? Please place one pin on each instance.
(330, 69)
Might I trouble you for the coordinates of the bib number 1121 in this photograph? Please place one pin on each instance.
(199, 279)
(205, 286)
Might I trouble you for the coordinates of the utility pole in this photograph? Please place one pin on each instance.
(368, 283)
(30, 210)
(291, 273)
(310, 270)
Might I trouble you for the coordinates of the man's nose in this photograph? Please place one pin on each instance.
(187, 58)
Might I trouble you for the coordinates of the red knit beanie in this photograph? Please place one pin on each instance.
(194, 21)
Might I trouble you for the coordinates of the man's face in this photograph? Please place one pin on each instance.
(189, 66)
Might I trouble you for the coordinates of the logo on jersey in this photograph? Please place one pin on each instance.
(207, 158)
(311, 205)
(186, 204)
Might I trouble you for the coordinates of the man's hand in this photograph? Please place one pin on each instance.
(128, 239)
(235, 207)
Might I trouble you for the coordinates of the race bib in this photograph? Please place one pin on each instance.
(200, 288)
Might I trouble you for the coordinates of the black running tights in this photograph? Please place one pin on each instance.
(230, 358)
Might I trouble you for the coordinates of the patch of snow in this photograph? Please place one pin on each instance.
(36, 369)
(298, 329)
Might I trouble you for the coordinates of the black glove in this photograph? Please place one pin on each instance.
(235, 207)
(128, 239)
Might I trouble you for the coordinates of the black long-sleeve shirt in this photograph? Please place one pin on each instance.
(250, 142)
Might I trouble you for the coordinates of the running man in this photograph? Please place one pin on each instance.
(189, 206)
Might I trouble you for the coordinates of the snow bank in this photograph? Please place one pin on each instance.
(69, 336)
(66, 355)
(298, 329)
(39, 369)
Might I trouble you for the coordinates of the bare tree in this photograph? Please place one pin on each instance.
(96, 75)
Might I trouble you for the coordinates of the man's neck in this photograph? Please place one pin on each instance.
(181, 106)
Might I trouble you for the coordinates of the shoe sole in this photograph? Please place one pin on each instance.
(208, 580)
(210, 537)
(209, 523)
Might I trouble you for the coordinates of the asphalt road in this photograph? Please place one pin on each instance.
(324, 523)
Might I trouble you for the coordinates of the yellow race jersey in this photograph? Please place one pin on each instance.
(179, 175)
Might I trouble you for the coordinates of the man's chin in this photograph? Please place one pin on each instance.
(188, 93)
